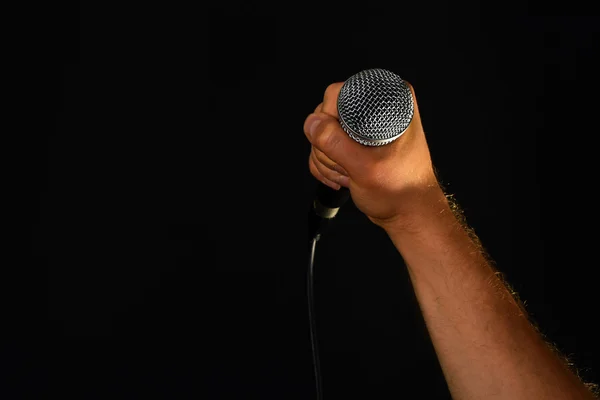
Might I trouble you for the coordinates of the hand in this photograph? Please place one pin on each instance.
(385, 182)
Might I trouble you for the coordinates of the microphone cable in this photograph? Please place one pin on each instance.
(321, 214)
(312, 318)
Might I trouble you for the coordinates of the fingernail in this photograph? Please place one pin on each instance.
(344, 181)
(312, 126)
(332, 185)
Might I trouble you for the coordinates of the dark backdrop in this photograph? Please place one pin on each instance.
(172, 197)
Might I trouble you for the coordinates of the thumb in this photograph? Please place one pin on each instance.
(325, 133)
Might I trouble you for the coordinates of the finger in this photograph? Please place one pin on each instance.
(325, 133)
(315, 172)
(330, 99)
(328, 162)
(330, 174)
(319, 108)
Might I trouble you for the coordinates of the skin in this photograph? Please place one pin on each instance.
(487, 347)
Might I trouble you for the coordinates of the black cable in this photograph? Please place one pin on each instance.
(312, 319)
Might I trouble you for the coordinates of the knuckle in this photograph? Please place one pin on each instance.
(332, 90)
(324, 169)
(321, 168)
(330, 99)
(313, 168)
(320, 156)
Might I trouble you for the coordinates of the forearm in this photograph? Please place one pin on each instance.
(486, 346)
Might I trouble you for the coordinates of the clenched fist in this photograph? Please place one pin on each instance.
(386, 182)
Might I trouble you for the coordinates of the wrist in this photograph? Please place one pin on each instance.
(421, 209)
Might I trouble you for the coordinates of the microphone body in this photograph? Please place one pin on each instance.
(375, 107)
(325, 207)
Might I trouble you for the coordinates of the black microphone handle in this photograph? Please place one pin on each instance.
(325, 207)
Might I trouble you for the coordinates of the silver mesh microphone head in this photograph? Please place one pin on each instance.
(375, 107)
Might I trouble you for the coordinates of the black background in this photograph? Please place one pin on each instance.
(171, 201)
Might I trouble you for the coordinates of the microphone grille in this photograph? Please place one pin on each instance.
(375, 107)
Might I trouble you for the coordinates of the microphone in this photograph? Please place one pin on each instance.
(375, 107)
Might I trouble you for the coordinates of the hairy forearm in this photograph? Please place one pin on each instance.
(485, 343)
